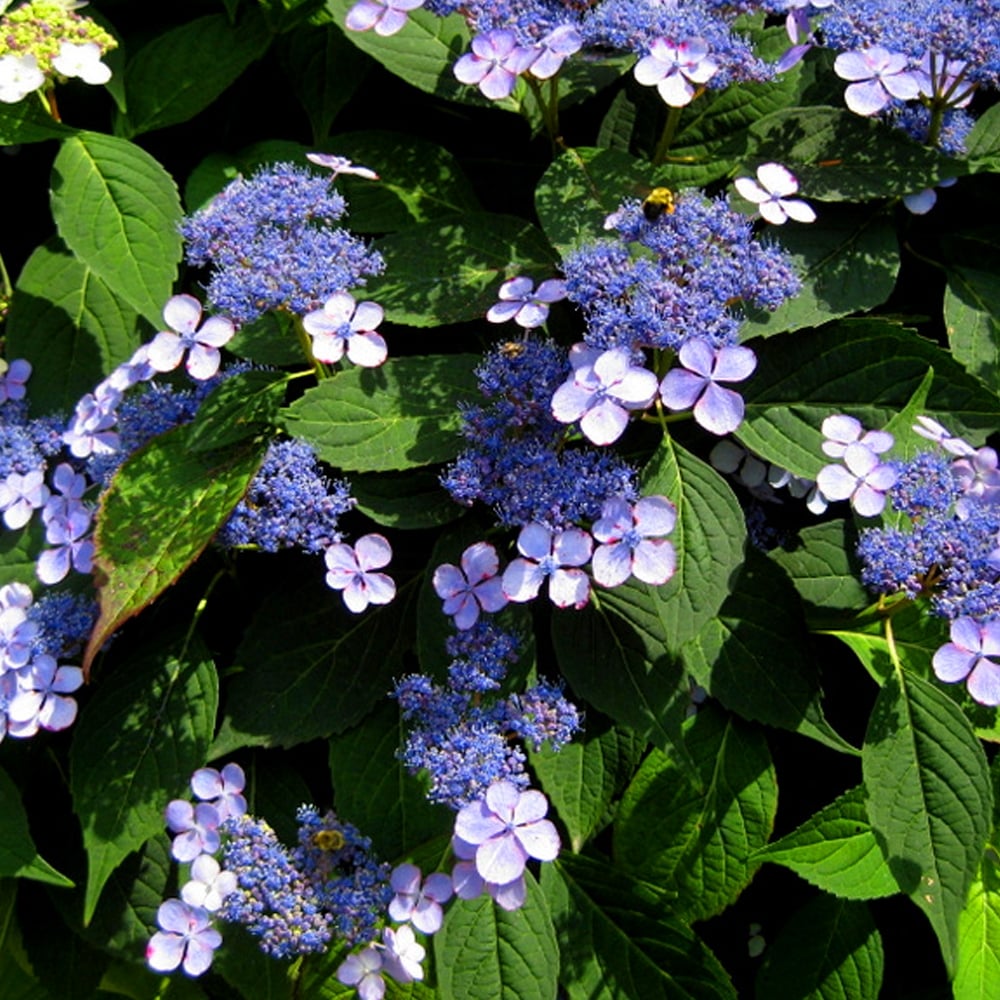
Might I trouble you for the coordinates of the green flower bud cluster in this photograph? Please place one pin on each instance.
(40, 27)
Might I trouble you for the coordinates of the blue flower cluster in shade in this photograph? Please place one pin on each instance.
(963, 30)
(659, 283)
(949, 552)
(295, 901)
(915, 121)
(65, 621)
(25, 442)
(517, 461)
(272, 243)
(461, 737)
(290, 502)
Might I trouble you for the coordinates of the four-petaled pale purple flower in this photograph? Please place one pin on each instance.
(21, 496)
(350, 570)
(187, 938)
(41, 698)
(879, 76)
(469, 884)
(978, 475)
(841, 431)
(676, 70)
(197, 828)
(420, 904)
(940, 435)
(343, 325)
(555, 48)
(363, 971)
(403, 954)
(546, 553)
(209, 885)
(221, 790)
(341, 165)
(968, 655)
(182, 314)
(770, 193)
(524, 304)
(695, 384)
(507, 827)
(862, 479)
(14, 379)
(633, 543)
(71, 547)
(474, 586)
(495, 62)
(385, 16)
(602, 390)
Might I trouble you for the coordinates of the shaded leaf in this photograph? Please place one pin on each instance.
(18, 855)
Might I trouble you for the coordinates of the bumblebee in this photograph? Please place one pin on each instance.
(328, 840)
(512, 348)
(658, 201)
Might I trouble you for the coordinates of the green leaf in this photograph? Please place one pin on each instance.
(868, 368)
(977, 967)
(483, 952)
(820, 565)
(246, 968)
(972, 304)
(699, 842)
(217, 169)
(442, 271)
(324, 71)
(118, 210)
(18, 552)
(982, 148)
(618, 938)
(929, 798)
(829, 950)
(583, 778)
(408, 500)
(183, 70)
(418, 181)
(836, 850)
(309, 668)
(422, 54)
(145, 729)
(28, 121)
(398, 416)
(847, 259)
(243, 406)
(375, 792)
(18, 855)
(70, 325)
(839, 156)
(733, 656)
(269, 340)
(163, 507)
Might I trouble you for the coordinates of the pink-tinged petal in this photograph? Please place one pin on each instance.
(612, 564)
(719, 410)
(835, 482)
(367, 350)
(203, 362)
(841, 428)
(517, 289)
(572, 547)
(216, 332)
(675, 90)
(511, 896)
(569, 588)
(182, 313)
(654, 561)
(867, 501)
(615, 520)
(480, 562)
(405, 879)
(340, 307)
(698, 356)
(540, 840)
(501, 859)
(734, 364)
(984, 683)
(571, 401)
(465, 613)
(470, 69)
(67, 680)
(777, 179)
(448, 581)
(867, 98)
(649, 70)
(381, 589)
(951, 663)
(749, 189)
(164, 952)
(328, 347)
(637, 389)
(497, 84)
(604, 423)
(200, 952)
(341, 560)
(367, 316)
(355, 594)
(476, 823)
(799, 211)
(990, 643)
(321, 322)
(534, 541)
(363, 15)
(531, 315)
(680, 389)
(173, 915)
(490, 595)
(655, 516)
(373, 552)
(391, 22)
(166, 350)
(522, 580)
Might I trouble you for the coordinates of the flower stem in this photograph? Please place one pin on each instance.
(667, 135)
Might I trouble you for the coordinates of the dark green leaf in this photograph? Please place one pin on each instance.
(445, 271)
(139, 738)
(929, 798)
(270, 340)
(829, 950)
(183, 70)
(408, 500)
(982, 148)
(18, 856)
(836, 850)
(117, 209)
(483, 952)
(243, 406)
(398, 416)
(163, 507)
(699, 841)
(27, 121)
(70, 325)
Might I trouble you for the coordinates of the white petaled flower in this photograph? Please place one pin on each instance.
(209, 884)
(345, 326)
(350, 570)
(182, 314)
(83, 61)
(42, 700)
(403, 954)
(19, 76)
(770, 193)
(341, 165)
(676, 70)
